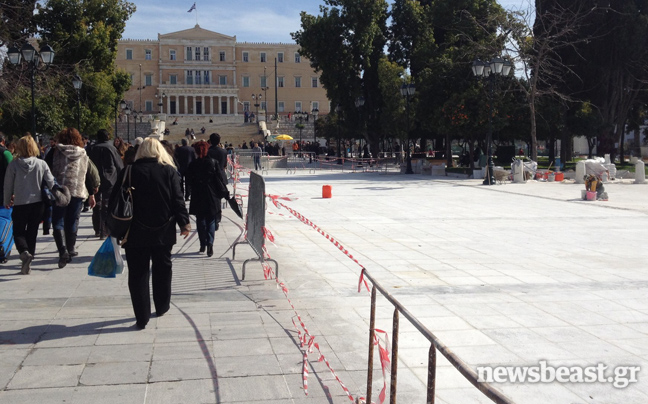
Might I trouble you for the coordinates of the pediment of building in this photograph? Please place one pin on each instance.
(197, 33)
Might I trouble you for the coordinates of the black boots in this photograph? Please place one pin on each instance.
(64, 257)
(210, 250)
(70, 241)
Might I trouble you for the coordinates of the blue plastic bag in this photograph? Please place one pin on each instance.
(107, 262)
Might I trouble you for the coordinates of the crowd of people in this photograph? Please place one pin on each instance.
(162, 179)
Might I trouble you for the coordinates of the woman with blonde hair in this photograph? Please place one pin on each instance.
(22, 189)
(158, 206)
(69, 164)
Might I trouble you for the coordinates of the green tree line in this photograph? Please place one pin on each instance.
(580, 70)
(84, 35)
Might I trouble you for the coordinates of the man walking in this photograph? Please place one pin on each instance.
(106, 157)
(184, 155)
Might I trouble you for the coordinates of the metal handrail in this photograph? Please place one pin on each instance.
(488, 390)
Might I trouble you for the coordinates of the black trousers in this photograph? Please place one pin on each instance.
(139, 265)
(26, 219)
(100, 211)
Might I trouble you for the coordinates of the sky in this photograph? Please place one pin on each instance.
(250, 20)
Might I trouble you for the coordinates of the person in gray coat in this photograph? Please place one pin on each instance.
(22, 190)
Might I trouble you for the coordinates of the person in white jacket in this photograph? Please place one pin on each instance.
(22, 190)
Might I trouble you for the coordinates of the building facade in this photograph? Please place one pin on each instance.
(200, 72)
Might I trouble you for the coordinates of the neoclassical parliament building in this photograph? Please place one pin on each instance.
(200, 72)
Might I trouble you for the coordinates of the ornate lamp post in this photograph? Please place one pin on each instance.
(161, 102)
(257, 101)
(359, 102)
(300, 116)
(490, 71)
(78, 83)
(135, 115)
(315, 113)
(408, 90)
(127, 111)
(32, 57)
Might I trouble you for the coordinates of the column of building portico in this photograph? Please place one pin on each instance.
(211, 105)
(203, 108)
(168, 107)
(185, 105)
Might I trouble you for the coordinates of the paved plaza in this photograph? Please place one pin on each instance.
(504, 275)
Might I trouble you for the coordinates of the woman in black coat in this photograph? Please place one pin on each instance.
(158, 205)
(207, 186)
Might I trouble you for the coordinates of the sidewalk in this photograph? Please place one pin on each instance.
(507, 274)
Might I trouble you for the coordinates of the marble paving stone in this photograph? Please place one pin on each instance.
(115, 373)
(58, 356)
(187, 369)
(46, 376)
(123, 394)
(247, 389)
(185, 391)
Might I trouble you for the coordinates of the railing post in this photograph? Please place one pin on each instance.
(394, 358)
(372, 324)
(431, 387)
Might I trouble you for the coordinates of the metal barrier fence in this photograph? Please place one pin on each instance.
(435, 344)
(255, 224)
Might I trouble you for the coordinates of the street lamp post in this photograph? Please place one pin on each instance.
(161, 102)
(314, 113)
(32, 57)
(359, 102)
(77, 83)
(491, 70)
(257, 100)
(408, 90)
(135, 115)
(127, 111)
(300, 116)
(122, 107)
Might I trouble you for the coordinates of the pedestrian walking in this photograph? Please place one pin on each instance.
(184, 156)
(256, 154)
(158, 207)
(106, 157)
(22, 190)
(208, 188)
(69, 165)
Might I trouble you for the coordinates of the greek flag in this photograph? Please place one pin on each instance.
(192, 8)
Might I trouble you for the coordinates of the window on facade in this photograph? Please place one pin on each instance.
(206, 54)
(173, 79)
(148, 106)
(222, 80)
(297, 57)
(314, 82)
(189, 77)
(221, 56)
(298, 106)
(246, 57)
(297, 82)
(246, 105)
(148, 79)
(172, 55)
(197, 53)
(188, 53)
(129, 54)
(148, 54)
(263, 57)
(263, 105)
(280, 57)
(198, 77)
(315, 105)
(206, 76)
(281, 106)
(280, 81)
(246, 81)
(264, 81)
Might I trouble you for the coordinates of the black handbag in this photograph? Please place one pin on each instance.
(120, 209)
